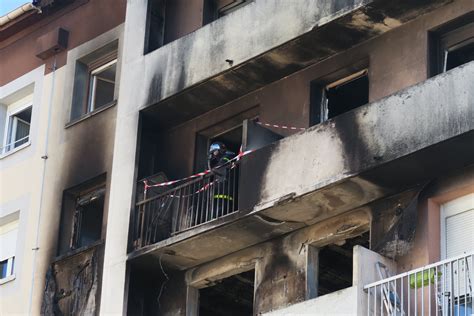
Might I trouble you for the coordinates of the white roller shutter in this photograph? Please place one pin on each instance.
(457, 226)
(8, 238)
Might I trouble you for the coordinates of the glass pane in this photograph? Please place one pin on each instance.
(19, 128)
(3, 269)
(22, 132)
(91, 222)
(103, 91)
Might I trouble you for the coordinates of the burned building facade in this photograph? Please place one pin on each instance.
(352, 187)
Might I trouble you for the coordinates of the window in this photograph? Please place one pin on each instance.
(101, 85)
(95, 81)
(18, 129)
(8, 240)
(214, 9)
(452, 45)
(6, 267)
(457, 238)
(82, 216)
(331, 267)
(339, 96)
(457, 220)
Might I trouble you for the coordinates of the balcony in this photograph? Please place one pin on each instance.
(369, 158)
(442, 288)
(160, 215)
(216, 64)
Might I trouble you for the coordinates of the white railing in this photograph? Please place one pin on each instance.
(443, 288)
(14, 144)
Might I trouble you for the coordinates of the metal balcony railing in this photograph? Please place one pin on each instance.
(443, 288)
(196, 202)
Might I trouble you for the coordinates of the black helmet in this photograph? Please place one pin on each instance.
(217, 146)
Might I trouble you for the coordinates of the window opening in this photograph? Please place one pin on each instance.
(335, 264)
(225, 7)
(346, 94)
(18, 129)
(459, 55)
(7, 267)
(229, 296)
(215, 9)
(88, 215)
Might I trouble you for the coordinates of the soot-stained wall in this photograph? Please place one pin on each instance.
(395, 60)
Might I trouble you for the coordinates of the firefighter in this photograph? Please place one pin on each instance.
(223, 189)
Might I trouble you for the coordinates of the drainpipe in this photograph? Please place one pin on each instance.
(44, 157)
(7, 18)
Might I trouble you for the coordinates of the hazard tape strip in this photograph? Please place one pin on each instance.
(147, 185)
(281, 126)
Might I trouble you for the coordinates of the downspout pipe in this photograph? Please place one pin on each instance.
(27, 7)
(44, 157)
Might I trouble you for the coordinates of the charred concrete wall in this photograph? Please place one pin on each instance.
(281, 264)
(287, 102)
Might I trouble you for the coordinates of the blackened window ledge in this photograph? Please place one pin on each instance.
(90, 114)
(77, 251)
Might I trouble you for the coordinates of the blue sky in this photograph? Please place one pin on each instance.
(9, 5)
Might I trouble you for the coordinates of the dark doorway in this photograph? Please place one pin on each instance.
(231, 138)
(232, 296)
(335, 265)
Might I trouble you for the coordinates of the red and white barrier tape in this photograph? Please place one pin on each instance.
(281, 126)
(200, 174)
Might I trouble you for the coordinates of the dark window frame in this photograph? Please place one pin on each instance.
(447, 38)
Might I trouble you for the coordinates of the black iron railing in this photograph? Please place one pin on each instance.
(159, 215)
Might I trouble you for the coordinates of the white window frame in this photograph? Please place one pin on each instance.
(10, 270)
(12, 120)
(452, 208)
(93, 83)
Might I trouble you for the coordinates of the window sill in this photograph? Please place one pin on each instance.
(74, 252)
(7, 279)
(90, 114)
(11, 152)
